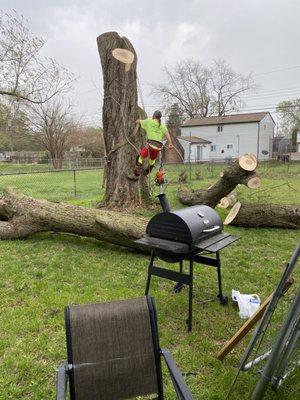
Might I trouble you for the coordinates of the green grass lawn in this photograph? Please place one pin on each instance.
(42, 274)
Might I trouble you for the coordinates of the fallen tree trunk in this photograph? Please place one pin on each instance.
(264, 215)
(241, 172)
(22, 216)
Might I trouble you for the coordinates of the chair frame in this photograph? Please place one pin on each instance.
(65, 371)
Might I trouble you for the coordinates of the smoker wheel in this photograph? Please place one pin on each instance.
(178, 287)
(223, 300)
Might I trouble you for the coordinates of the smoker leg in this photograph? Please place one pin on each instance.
(223, 299)
(190, 318)
(149, 273)
(177, 288)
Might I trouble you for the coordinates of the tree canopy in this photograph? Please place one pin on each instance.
(288, 112)
(201, 90)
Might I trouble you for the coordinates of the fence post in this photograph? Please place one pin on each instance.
(190, 161)
(74, 178)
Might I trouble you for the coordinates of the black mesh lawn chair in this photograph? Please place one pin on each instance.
(113, 353)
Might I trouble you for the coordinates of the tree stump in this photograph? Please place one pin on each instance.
(182, 177)
(120, 111)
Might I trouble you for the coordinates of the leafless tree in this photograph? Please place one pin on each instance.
(227, 88)
(188, 85)
(203, 90)
(24, 73)
(288, 113)
(53, 125)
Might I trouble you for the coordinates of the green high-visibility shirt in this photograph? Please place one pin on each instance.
(153, 129)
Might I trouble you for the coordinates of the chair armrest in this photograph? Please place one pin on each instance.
(61, 382)
(183, 392)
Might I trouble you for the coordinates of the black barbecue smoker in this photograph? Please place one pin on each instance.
(193, 234)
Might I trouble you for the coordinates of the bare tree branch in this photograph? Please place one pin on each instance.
(202, 91)
(24, 73)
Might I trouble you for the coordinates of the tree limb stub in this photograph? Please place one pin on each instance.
(27, 216)
(241, 172)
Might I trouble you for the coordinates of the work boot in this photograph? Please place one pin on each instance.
(148, 169)
(137, 169)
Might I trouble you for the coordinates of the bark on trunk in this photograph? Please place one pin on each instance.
(21, 216)
(228, 201)
(264, 215)
(120, 111)
(229, 179)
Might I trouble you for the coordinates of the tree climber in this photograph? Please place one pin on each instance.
(156, 131)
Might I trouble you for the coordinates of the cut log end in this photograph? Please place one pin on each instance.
(123, 55)
(254, 183)
(224, 203)
(233, 213)
(228, 201)
(248, 162)
(249, 215)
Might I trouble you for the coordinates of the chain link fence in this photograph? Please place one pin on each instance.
(56, 185)
(82, 178)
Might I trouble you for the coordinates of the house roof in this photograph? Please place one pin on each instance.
(194, 139)
(226, 119)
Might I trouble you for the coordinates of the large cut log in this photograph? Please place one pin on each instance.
(22, 216)
(120, 111)
(264, 215)
(241, 172)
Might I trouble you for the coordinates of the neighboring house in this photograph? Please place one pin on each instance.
(229, 136)
(298, 142)
(195, 148)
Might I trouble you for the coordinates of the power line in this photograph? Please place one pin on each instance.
(280, 89)
(275, 94)
(277, 70)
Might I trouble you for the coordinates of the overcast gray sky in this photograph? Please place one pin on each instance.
(259, 36)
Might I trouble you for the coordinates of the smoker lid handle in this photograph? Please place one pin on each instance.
(214, 228)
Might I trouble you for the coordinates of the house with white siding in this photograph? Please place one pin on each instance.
(222, 137)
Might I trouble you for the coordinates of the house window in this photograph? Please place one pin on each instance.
(220, 128)
(213, 147)
(230, 146)
(265, 126)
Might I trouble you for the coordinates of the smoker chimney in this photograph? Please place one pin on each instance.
(164, 202)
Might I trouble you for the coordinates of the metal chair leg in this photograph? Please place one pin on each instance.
(149, 273)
